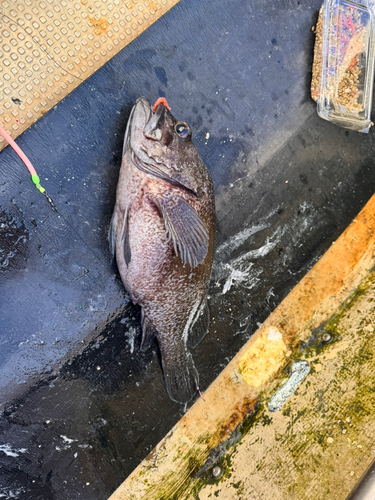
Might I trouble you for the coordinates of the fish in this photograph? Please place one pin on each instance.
(162, 235)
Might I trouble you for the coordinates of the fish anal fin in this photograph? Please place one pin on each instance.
(200, 326)
(127, 252)
(186, 229)
(148, 333)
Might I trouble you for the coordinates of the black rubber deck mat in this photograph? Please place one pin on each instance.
(81, 406)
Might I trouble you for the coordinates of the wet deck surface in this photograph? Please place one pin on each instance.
(81, 406)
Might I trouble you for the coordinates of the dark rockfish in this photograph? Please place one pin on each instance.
(162, 232)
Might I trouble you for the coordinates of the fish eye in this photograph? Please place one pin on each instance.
(183, 130)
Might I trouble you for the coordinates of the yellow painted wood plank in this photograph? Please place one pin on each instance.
(178, 465)
(47, 48)
(322, 441)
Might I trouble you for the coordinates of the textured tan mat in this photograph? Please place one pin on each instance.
(47, 48)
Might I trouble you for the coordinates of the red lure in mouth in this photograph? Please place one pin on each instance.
(161, 100)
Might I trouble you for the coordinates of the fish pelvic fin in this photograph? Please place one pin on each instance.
(200, 325)
(125, 237)
(180, 375)
(188, 232)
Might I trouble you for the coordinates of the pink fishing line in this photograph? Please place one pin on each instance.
(201, 395)
(18, 150)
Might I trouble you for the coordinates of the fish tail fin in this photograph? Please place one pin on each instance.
(180, 375)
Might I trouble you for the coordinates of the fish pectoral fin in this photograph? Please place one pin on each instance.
(200, 325)
(148, 333)
(188, 232)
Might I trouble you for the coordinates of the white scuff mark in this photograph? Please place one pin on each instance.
(131, 334)
(304, 207)
(7, 449)
(236, 241)
(241, 272)
(247, 268)
(304, 225)
(236, 276)
(269, 295)
(263, 250)
(11, 493)
(245, 322)
(67, 440)
(241, 269)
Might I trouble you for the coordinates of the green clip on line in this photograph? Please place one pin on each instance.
(36, 181)
(27, 162)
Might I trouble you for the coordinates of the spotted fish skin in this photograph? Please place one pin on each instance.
(162, 234)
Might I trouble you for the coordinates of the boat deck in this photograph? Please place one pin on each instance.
(81, 406)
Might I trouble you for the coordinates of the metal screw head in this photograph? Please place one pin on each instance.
(217, 472)
(326, 338)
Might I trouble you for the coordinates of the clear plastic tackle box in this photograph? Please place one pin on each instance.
(343, 71)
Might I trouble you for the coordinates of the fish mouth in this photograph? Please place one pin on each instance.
(138, 119)
(141, 127)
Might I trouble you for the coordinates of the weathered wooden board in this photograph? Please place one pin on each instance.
(322, 440)
(326, 430)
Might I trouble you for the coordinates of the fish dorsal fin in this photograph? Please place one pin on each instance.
(188, 232)
(200, 325)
